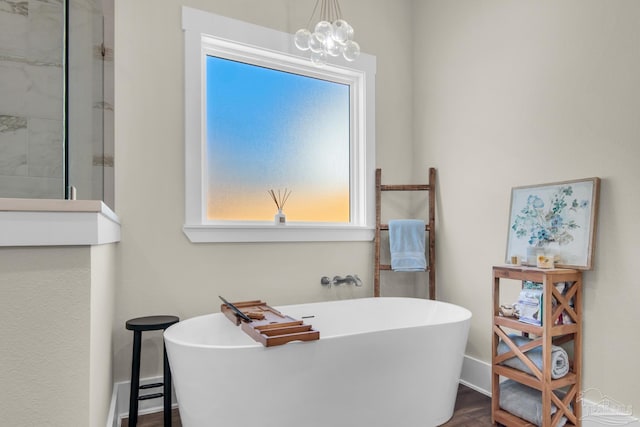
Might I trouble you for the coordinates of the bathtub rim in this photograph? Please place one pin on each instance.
(465, 316)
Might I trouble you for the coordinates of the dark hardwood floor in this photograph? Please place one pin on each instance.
(472, 409)
(155, 420)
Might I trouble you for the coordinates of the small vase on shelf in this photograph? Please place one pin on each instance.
(280, 218)
(280, 198)
(532, 255)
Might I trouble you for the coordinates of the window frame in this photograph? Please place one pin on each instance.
(209, 34)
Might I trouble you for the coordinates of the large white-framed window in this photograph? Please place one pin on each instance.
(216, 41)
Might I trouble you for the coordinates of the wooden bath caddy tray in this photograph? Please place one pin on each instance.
(268, 326)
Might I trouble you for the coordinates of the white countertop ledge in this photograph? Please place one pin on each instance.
(53, 222)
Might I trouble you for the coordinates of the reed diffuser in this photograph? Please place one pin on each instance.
(280, 198)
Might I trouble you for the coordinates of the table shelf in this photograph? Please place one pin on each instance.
(554, 305)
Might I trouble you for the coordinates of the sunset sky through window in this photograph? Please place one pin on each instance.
(270, 129)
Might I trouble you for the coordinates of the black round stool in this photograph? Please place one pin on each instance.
(138, 325)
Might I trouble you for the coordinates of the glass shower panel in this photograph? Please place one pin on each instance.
(86, 106)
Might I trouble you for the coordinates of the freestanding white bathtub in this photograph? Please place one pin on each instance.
(386, 362)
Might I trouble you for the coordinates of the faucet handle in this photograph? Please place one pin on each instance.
(356, 279)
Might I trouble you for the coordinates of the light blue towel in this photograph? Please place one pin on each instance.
(406, 241)
(526, 402)
(559, 357)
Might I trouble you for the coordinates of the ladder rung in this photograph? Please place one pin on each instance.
(387, 267)
(386, 227)
(150, 396)
(413, 187)
(154, 385)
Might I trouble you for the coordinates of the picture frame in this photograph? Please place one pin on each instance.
(557, 219)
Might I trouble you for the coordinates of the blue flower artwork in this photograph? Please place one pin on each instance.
(557, 217)
(543, 224)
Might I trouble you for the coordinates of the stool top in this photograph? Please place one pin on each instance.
(151, 323)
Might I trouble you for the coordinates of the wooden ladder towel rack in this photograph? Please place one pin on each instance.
(429, 228)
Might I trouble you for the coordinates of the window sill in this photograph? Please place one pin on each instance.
(46, 222)
(271, 233)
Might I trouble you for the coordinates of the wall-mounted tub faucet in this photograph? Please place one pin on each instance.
(337, 280)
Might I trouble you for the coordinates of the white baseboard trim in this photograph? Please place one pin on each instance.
(119, 408)
(597, 409)
(476, 374)
(112, 420)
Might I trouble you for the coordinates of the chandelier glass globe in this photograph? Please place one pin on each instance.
(317, 42)
(325, 28)
(319, 58)
(342, 31)
(302, 39)
(351, 50)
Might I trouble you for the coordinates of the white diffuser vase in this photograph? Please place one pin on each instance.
(280, 218)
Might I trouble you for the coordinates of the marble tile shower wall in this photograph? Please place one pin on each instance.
(31, 98)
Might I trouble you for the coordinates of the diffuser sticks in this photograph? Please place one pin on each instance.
(280, 198)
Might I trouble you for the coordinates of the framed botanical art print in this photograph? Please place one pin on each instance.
(557, 219)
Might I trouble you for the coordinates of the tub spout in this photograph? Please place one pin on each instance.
(337, 280)
(354, 279)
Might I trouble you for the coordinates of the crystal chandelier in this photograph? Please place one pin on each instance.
(332, 35)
